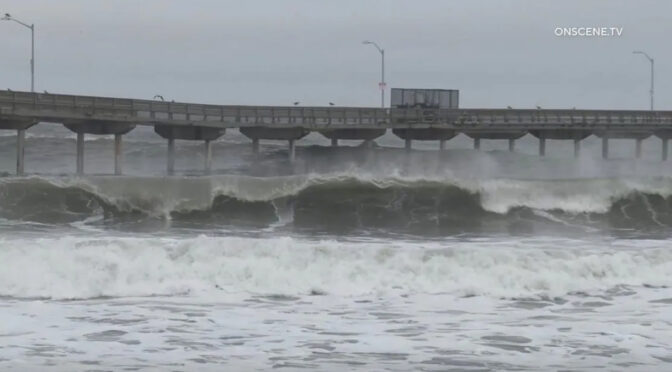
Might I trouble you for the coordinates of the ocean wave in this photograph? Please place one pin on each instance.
(343, 201)
(71, 267)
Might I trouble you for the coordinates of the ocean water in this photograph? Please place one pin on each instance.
(350, 258)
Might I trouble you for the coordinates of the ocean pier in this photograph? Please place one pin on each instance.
(205, 122)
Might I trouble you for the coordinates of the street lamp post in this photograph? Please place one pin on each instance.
(650, 60)
(8, 17)
(382, 71)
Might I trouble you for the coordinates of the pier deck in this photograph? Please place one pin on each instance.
(59, 107)
(180, 120)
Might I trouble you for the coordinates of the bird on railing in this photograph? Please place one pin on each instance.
(296, 103)
(538, 107)
(45, 92)
(331, 103)
(159, 97)
(9, 90)
(509, 107)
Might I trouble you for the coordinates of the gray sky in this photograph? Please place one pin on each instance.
(498, 53)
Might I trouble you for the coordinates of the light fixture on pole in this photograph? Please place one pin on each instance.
(8, 17)
(650, 60)
(382, 71)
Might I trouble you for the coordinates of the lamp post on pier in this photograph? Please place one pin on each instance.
(21, 131)
(8, 17)
(382, 70)
(650, 60)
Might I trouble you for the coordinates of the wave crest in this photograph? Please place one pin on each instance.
(344, 202)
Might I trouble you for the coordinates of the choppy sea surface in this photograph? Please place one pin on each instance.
(351, 258)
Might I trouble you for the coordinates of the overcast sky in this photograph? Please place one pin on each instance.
(497, 53)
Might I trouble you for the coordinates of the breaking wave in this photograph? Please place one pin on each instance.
(71, 267)
(343, 202)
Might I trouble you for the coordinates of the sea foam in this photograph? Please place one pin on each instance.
(76, 267)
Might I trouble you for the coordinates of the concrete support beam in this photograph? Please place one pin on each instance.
(605, 147)
(274, 133)
(424, 134)
(20, 127)
(442, 144)
(20, 153)
(562, 134)
(80, 153)
(191, 133)
(255, 145)
(118, 154)
(638, 148)
(171, 156)
(477, 143)
(363, 134)
(408, 144)
(208, 156)
(542, 146)
(577, 148)
(494, 134)
(512, 144)
(665, 143)
(334, 142)
(99, 127)
(292, 150)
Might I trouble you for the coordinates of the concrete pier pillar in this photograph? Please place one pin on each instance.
(605, 147)
(477, 143)
(80, 153)
(638, 148)
(408, 144)
(577, 148)
(334, 142)
(208, 156)
(665, 143)
(20, 153)
(512, 144)
(171, 156)
(118, 154)
(292, 150)
(442, 144)
(82, 127)
(542, 146)
(255, 145)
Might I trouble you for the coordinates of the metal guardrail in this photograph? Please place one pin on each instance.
(61, 107)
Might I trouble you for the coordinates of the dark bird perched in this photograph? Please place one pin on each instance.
(296, 103)
(9, 90)
(159, 97)
(509, 107)
(538, 107)
(45, 92)
(331, 103)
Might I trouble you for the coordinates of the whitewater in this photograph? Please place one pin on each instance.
(352, 258)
